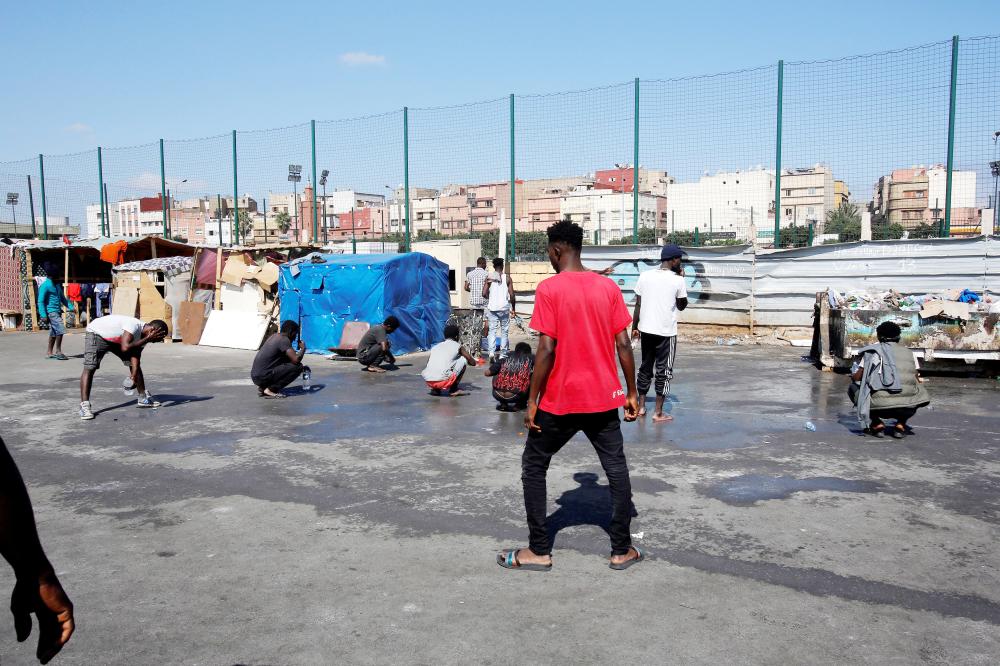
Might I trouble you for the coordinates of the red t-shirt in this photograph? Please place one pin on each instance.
(583, 312)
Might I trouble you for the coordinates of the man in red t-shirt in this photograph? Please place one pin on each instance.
(582, 324)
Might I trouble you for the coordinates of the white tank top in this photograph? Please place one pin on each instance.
(498, 294)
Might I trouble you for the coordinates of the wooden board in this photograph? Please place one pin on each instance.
(192, 321)
(234, 330)
(126, 301)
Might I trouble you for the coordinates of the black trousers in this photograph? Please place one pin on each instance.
(900, 414)
(512, 403)
(279, 377)
(658, 351)
(603, 429)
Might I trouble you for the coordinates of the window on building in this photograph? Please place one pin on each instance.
(535, 217)
(812, 190)
(809, 210)
(788, 211)
(788, 193)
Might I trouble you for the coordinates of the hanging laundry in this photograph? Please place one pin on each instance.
(114, 253)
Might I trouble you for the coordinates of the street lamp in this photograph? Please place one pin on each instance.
(322, 181)
(12, 201)
(295, 177)
(170, 222)
(995, 170)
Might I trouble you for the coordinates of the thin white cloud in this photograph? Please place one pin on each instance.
(79, 128)
(361, 59)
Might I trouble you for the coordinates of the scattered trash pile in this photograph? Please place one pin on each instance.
(950, 303)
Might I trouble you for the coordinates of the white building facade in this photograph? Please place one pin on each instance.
(722, 203)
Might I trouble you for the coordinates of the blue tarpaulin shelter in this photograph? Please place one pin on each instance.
(323, 296)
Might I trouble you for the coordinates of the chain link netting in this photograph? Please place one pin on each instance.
(863, 139)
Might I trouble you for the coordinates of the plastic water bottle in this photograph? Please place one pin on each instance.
(128, 386)
(810, 426)
(306, 377)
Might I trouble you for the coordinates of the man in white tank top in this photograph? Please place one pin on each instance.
(499, 294)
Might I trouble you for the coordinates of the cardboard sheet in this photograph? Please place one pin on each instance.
(948, 309)
(191, 321)
(245, 298)
(126, 301)
(268, 275)
(235, 270)
(234, 330)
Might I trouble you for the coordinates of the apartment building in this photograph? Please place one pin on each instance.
(723, 203)
(807, 195)
(606, 215)
(917, 196)
(623, 179)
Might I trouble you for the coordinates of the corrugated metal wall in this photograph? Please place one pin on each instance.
(729, 285)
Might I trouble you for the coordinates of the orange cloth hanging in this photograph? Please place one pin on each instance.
(114, 253)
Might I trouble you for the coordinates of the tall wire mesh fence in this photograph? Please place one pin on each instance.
(861, 140)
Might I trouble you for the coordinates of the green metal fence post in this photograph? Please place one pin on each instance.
(314, 184)
(236, 198)
(45, 211)
(777, 158)
(635, 168)
(697, 240)
(163, 189)
(354, 236)
(100, 186)
(406, 174)
(951, 135)
(811, 232)
(513, 200)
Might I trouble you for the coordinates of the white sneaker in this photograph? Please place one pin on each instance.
(147, 401)
(85, 412)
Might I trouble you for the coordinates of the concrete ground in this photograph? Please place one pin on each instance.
(357, 523)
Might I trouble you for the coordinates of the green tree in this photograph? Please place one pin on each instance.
(924, 230)
(845, 221)
(245, 225)
(795, 236)
(884, 231)
(284, 221)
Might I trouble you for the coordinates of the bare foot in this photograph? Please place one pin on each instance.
(525, 556)
(374, 369)
(632, 554)
(642, 411)
(662, 418)
(456, 394)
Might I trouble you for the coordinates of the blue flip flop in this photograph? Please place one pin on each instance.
(640, 556)
(508, 560)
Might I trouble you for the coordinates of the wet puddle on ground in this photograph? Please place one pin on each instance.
(749, 489)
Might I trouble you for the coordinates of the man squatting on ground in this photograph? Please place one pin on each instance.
(886, 385)
(512, 378)
(582, 322)
(50, 303)
(276, 364)
(447, 363)
(474, 281)
(373, 349)
(659, 295)
(125, 337)
(36, 588)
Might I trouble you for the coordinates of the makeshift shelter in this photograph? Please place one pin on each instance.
(324, 291)
(153, 289)
(77, 262)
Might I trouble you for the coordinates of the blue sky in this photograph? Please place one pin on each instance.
(122, 76)
(115, 74)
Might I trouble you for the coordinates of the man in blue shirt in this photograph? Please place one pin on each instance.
(50, 302)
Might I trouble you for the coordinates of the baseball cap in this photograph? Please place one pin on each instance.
(670, 251)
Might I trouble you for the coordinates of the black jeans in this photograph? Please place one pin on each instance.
(603, 429)
(512, 403)
(658, 351)
(279, 377)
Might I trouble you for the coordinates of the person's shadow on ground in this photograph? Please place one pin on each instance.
(590, 504)
(165, 400)
(302, 390)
